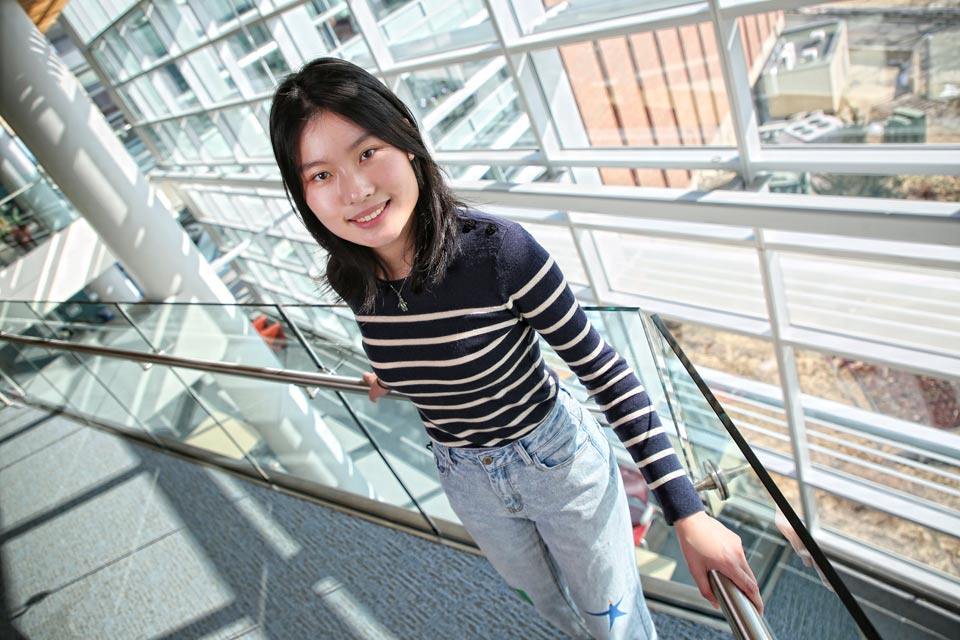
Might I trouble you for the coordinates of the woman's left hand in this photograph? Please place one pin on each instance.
(707, 545)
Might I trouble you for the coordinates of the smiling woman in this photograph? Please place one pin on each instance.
(361, 189)
(345, 145)
(526, 469)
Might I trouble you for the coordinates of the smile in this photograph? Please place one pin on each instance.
(372, 215)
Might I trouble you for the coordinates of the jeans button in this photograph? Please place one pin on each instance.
(487, 460)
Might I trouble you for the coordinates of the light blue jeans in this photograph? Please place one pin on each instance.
(550, 513)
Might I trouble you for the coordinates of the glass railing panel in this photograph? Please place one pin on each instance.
(255, 335)
(141, 397)
(803, 595)
(332, 335)
(95, 386)
(23, 363)
(87, 322)
(392, 424)
(23, 366)
(32, 209)
(313, 442)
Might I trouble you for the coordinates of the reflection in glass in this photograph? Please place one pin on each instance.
(210, 78)
(248, 131)
(333, 22)
(144, 37)
(29, 215)
(469, 106)
(579, 12)
(180, 20)
(422, 27)
(212, 143)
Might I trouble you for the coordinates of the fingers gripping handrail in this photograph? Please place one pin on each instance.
(301, 378)
(744, 620)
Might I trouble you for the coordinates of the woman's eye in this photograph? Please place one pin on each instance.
(320, 177)
(366, 155)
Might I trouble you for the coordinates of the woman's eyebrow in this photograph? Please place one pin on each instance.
(359, 141)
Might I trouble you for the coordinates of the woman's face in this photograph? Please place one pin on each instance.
(360, 188)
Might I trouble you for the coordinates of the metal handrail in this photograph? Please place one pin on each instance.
(300, 378)
(745, 621)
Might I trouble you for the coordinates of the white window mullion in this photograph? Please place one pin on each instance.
(736, 77)
(776, 302)
(370, 31)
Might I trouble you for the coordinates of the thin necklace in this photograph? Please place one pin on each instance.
(400, 301)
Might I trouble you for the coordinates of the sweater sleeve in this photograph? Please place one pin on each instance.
(536, 288)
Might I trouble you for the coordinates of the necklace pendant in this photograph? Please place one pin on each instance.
(401, 303)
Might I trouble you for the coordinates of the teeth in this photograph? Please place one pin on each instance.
(372, 215)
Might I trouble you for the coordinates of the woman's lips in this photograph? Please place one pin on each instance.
(371, 218)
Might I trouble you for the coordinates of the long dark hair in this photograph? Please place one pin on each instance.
(336, 86)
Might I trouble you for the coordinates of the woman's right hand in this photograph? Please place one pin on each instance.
(376, 390)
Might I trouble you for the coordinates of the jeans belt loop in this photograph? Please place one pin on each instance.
(522, 453)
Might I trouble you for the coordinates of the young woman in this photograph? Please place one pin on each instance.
(450, 303)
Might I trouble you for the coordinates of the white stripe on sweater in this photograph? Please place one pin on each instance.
(440, 315)
(633, 416)
(612, 381)
(405, 342)
(453, 362)
(572, 311)
(593, 354)
(632, 392)
(546, 303)
(534, 280)
(467, 405)
(504, 408)
(473, 378)
(679, 473)
(580, 336)
(644, 436)
(657, 456)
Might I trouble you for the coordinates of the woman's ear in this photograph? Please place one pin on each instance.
(410, 157)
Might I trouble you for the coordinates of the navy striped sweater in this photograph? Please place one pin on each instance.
(466, 353)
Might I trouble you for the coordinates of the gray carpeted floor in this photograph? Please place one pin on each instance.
(100, 538)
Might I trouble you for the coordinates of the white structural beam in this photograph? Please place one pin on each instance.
(868, 218)
(871, 218)
(870, 159)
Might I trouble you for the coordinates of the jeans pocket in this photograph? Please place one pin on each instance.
(563, 447)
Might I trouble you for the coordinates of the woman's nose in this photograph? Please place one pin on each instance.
(354, 187)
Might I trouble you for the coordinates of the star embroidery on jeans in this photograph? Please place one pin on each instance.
(612, 611)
